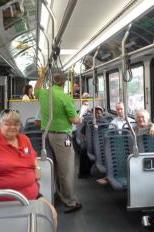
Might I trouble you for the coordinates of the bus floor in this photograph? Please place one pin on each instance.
(103, 210)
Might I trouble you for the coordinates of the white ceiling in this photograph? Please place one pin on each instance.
(89, 16)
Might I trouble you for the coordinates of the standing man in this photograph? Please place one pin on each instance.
(64, 114)
(120, 120)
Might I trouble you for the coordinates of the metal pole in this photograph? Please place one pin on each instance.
(104, 94)
(124, 81)
(47, 40)
(80, 76)
(94, 84)
(124, 70)
(5, 93)
(37, 30)
(52, 19)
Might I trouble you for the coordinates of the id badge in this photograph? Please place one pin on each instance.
(67, 142)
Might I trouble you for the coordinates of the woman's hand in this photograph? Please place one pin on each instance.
(38, 172)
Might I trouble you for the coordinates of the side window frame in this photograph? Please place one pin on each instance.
(136, 65)
(108, 88)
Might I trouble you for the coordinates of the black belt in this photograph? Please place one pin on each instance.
(57, 132)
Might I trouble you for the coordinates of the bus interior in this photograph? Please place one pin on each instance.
(105, 49)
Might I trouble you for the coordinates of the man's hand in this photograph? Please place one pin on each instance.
(151, 132)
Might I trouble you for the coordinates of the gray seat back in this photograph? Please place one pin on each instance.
(36, 140)
(89, 133)
(145, 141)
(47, 185)
(37, 216)
(118, 146)
(99, 147)
(140, 184)
(30, 125)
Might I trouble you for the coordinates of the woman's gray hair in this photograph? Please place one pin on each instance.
(10, 115)
(144, 112)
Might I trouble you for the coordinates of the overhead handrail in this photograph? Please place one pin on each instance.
(80, 78)
(94, 83)
(118, 59)
(37, 28)
(51, 14)
(52, 18)
(124, 82)
(47, 40)
(104, 93)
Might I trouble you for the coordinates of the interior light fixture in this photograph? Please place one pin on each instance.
(111, 30)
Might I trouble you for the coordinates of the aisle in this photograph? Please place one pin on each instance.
(103, 210)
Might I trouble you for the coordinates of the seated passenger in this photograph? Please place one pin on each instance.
(17, 157)
(120, 120)
(76, 90)
(143, 121)
(28, 93)
(99, 112)
(85, 105)
(18, 164)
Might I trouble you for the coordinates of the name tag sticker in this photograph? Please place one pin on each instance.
(26, 151)
(67, 142)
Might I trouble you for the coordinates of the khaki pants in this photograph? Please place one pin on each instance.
(65, 169)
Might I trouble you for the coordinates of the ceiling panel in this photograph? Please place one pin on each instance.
(87, 19)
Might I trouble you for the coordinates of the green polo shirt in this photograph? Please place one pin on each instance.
(63, 110)
(42, 95)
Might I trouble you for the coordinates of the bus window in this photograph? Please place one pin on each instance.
(100, 86)
(136, 90)
(11, 14)
(67, 87)
(90, 86)
(113, 89)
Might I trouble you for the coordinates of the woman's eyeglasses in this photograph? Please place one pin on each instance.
(7, 111)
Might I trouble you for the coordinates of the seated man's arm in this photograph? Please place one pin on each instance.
(151, 132)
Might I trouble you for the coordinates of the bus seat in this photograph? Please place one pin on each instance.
(99, 151)
(30, 125)
(36, 140)
(145, 141)
(133, 124)
(140, 184)
(99, 145)
(118, 146)
(108, 118)
(89, 133)
(22, 214)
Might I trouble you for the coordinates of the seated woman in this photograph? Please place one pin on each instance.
(18, 163)
(143, 121)
(28, 93)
